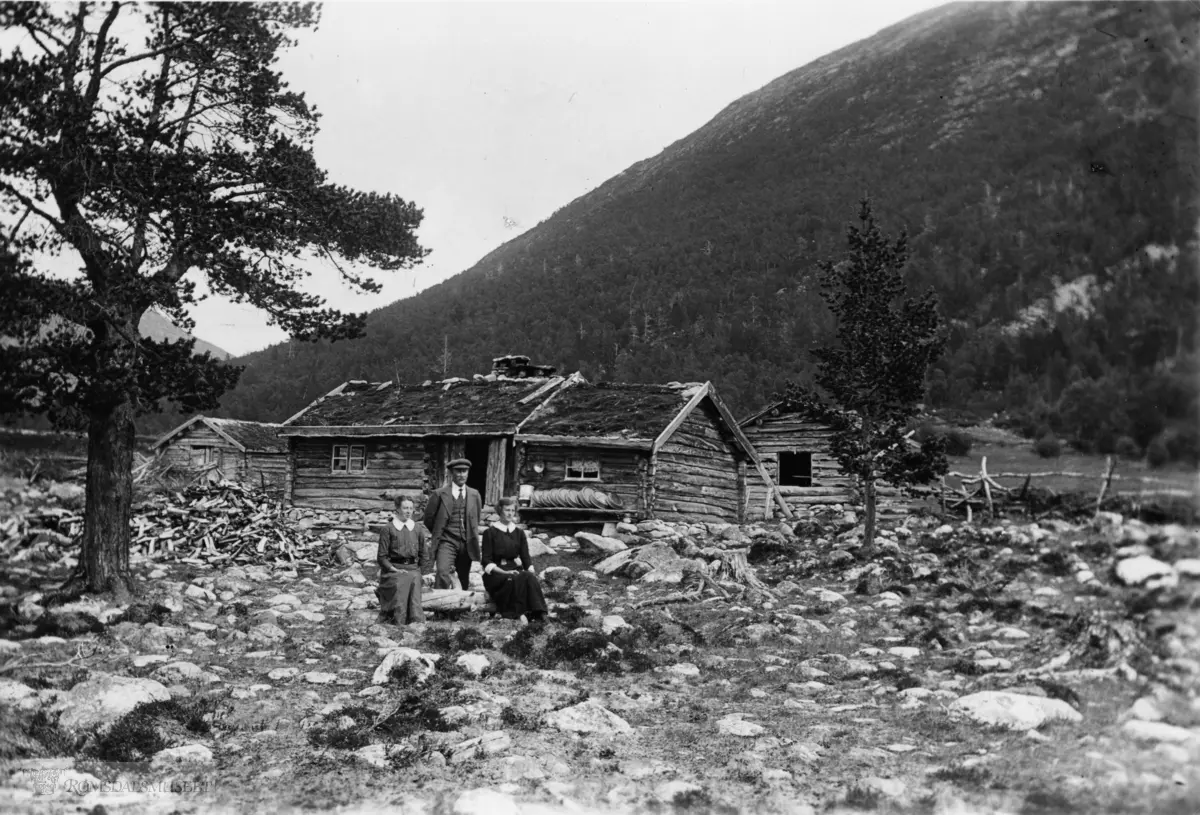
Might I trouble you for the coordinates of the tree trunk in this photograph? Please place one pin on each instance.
(869, 522)
(104, 559)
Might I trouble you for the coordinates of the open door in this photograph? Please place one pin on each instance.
(476, 450)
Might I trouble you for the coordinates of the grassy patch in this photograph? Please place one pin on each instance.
(349, 737)
(146, 729)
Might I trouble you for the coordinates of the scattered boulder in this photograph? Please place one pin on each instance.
(588, 717)
(319, 678)
(489, 744)
(474, 664)
(538, 548)
(17, 695)
(734, 725)
(1015, 711)
(612, 623)
(267, 632)
(102, 698)
(613, 562)
(598, 545)
(1134, 571)
(890, 788)
(174, 673)
(1159, 732)
(398, 656)
(187, 754)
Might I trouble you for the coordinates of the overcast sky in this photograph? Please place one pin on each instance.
(491, 115)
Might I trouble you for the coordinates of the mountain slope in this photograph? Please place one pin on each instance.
(157, 327)
(1022, 146)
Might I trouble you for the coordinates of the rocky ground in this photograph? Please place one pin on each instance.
(1006, 668)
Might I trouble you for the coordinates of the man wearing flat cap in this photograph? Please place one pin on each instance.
(452, 517)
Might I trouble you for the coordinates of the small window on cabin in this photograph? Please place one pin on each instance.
(205, 456)
(583, 469)
(349, 458)
(795, 470)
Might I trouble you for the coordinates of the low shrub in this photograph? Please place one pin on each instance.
(1126, 447)
(1157, 454)
(1048, 446)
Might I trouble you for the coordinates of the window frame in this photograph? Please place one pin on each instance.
(348, 454)
(795, 481)
(583, 471)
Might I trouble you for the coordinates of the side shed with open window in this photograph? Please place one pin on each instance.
(795, 452)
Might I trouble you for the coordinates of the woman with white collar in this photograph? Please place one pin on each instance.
(403, 557)
(508, 569)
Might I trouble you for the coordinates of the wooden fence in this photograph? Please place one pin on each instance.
(983, 490)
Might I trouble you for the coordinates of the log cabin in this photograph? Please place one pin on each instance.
(576, 452)
(671, 452)
(250, 452)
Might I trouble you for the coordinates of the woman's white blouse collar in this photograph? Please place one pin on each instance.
(504, 527)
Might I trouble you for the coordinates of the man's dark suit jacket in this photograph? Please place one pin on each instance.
(437, 515)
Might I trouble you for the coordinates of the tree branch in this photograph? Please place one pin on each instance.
(31, 206)
(93, 89)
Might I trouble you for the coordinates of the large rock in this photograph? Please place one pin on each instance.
(423, 663)
(474, 664)
(1015, 711)
(1134, 571)
(489, 744)
(174, 673)
(1160, 732)
(658, 555)
(612, 563)
(103, 698)
(598, 545)
(187, 754)
(588, 717)
(538, 548)
(733, 725)
(267, 632)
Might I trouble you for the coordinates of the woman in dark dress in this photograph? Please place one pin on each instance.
(508, 569)
(403, 557)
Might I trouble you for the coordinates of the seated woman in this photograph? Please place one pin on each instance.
(507, 568)
(403, 557)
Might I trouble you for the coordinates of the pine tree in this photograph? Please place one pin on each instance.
(870, 385)
(145, 142)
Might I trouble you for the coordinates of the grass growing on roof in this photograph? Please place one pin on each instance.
(634, 411)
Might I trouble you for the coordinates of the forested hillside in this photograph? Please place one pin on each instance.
(1042, 158)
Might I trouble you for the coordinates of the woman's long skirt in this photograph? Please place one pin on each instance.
(517, 594)
(399, 595)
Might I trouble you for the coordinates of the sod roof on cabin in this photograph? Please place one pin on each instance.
(256, 437)
(610, 410)
(375, 404)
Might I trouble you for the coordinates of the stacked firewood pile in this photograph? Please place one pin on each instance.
(222, 523)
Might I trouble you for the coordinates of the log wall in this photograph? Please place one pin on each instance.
(622, 472)
(267, 471)
(393, 465)
(696, 472)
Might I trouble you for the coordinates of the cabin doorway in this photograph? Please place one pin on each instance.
(476, 451)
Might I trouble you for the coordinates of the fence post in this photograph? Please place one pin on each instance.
(987, 489)
(1110, 465)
